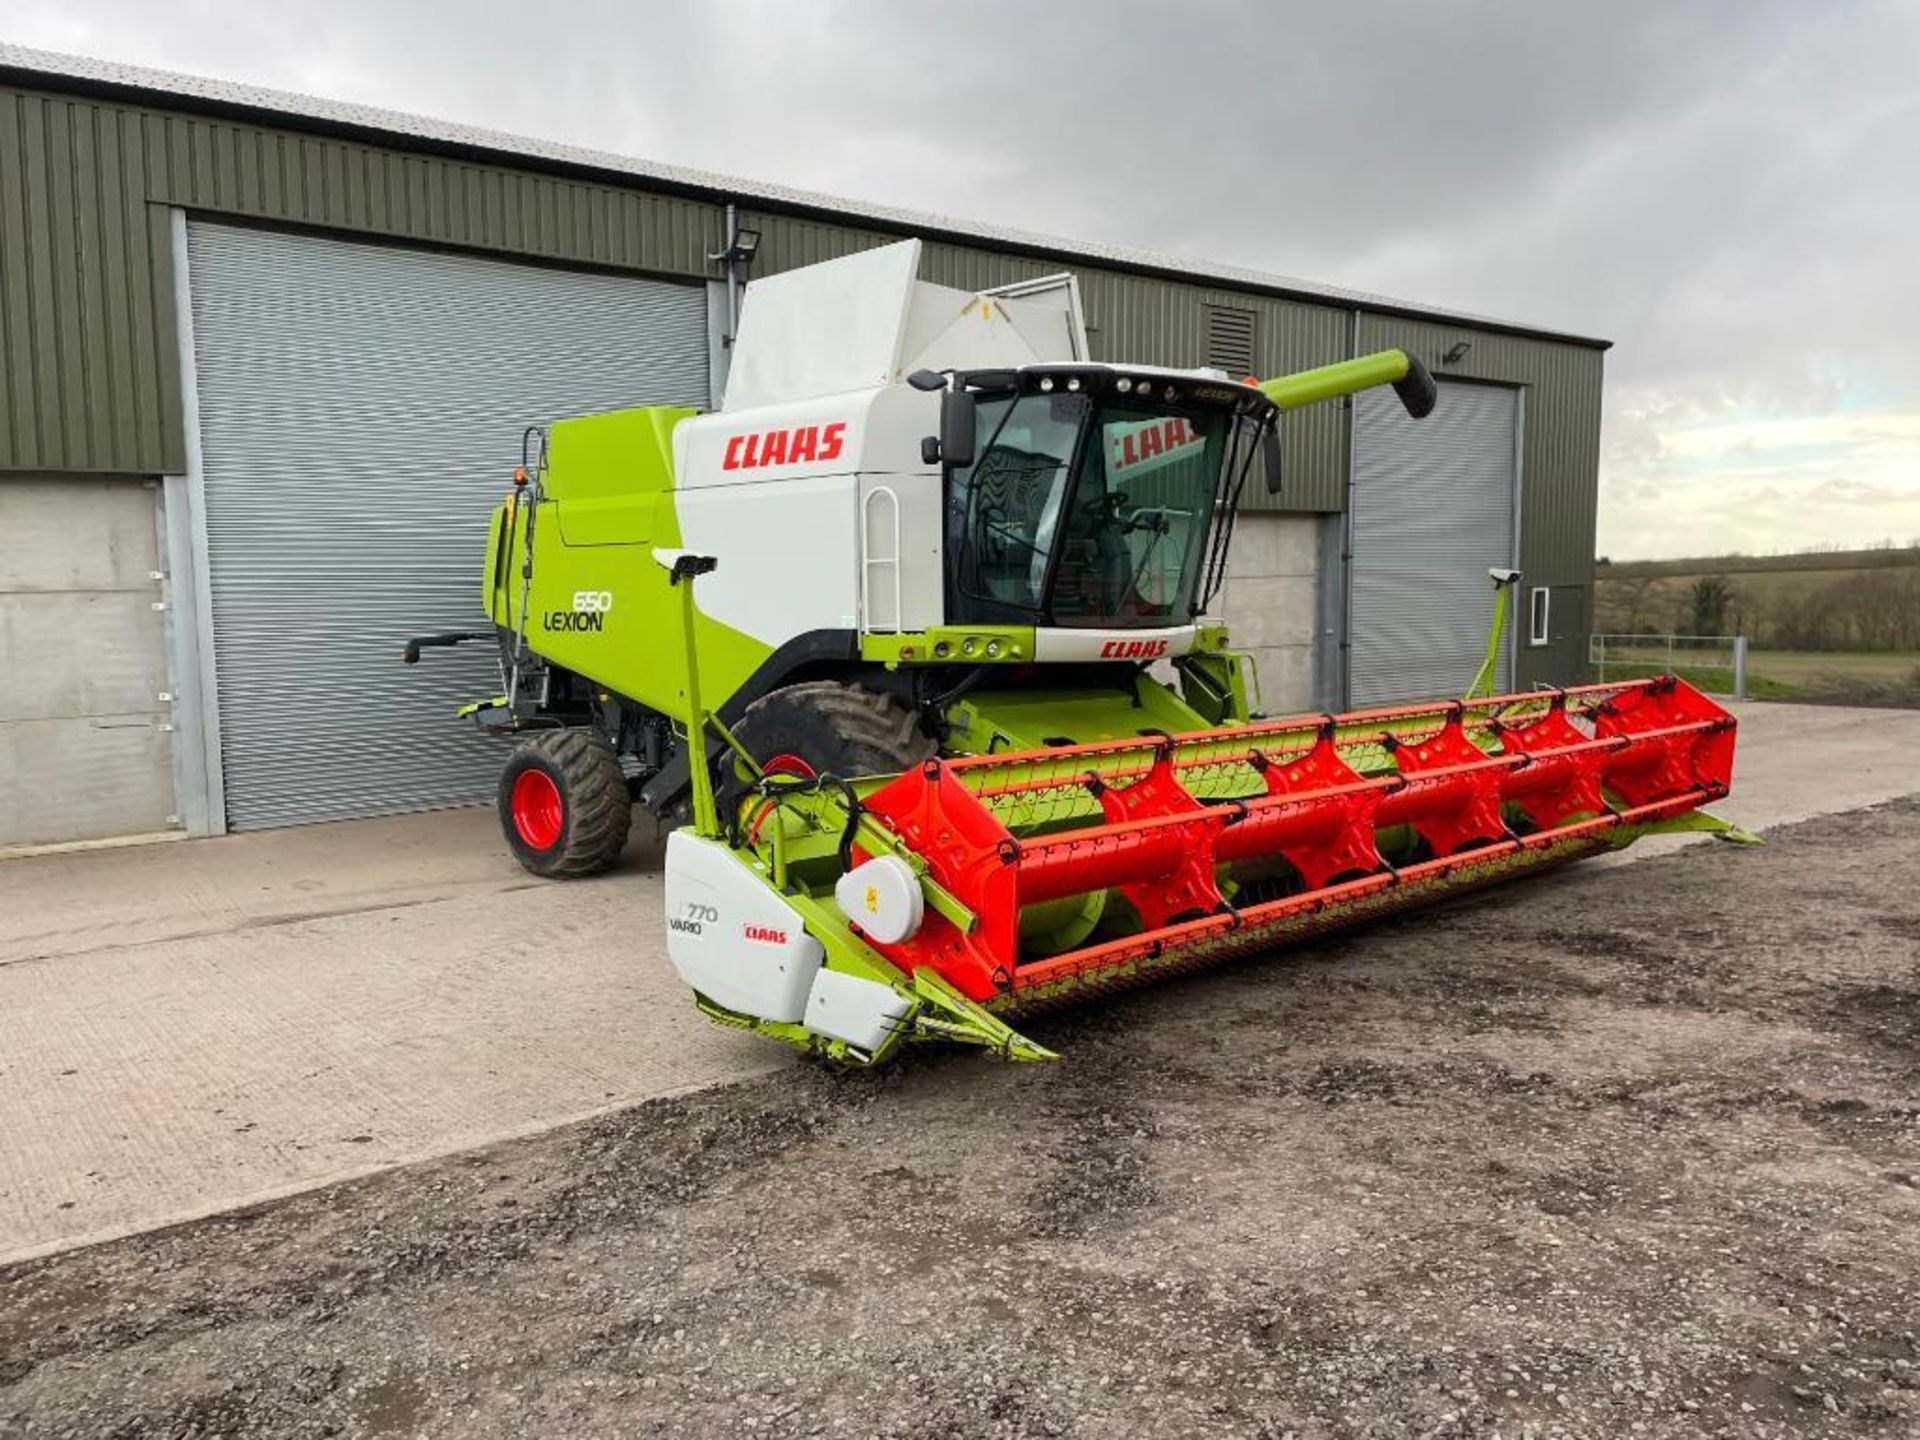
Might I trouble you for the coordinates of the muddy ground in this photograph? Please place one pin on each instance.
(1631, 1151)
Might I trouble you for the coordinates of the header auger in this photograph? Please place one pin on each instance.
(876, 638)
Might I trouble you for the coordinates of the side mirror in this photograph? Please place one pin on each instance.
(957, 420)
(1270, 455)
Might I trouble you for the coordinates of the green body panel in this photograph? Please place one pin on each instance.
(1694, 822)
(1034, 719)
(612, 472)
(950, 645)
(607, 505)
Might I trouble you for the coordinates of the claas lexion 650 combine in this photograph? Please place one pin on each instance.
(883, 638)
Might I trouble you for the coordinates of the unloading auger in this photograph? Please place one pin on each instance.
(882, 640)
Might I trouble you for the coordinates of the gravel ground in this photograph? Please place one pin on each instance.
(1620, 1152)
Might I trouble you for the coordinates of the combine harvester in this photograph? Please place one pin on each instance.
(939, 557)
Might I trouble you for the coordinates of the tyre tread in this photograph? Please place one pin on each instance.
(593, 788)
(876, 728)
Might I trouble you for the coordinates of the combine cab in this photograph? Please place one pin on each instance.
(923, 774)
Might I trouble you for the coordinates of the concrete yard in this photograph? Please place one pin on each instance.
(190, 1027)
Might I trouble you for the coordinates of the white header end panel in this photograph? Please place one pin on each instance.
(732, 938)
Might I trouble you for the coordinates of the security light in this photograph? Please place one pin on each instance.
(1456, 352)
(741, 249)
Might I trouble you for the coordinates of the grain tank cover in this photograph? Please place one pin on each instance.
(867, 320)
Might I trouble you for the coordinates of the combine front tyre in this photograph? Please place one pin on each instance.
(821, 727)
(564, 804)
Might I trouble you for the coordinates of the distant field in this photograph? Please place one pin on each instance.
(1800, 667)
(1832, 677)
(1843, 677)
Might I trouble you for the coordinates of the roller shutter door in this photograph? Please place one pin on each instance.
(361, 408)
(1433, 511)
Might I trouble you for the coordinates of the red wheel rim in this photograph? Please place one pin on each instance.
(537, 812)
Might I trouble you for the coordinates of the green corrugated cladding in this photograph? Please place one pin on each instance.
(1559, 465)
(87, 362)
(88, 372)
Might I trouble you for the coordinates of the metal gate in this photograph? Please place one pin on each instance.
(360, 413)
(1433, 509)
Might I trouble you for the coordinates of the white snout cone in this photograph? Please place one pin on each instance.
(882, 896)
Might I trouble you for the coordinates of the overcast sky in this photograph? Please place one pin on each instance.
(1729, 191)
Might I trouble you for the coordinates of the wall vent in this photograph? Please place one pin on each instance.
(1230, 341)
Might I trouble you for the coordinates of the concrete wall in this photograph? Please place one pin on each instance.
(85, 747)
(1271, 603)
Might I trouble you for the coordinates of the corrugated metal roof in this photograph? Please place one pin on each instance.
(51, 70)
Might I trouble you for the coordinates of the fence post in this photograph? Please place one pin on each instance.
(1739, 667)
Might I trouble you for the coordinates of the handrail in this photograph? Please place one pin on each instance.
(868, 562)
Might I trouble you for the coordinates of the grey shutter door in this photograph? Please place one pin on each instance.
(361, 409)
(86, 750)
(1433, 511)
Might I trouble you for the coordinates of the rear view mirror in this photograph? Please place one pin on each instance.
(957, 419)
(1270, 455)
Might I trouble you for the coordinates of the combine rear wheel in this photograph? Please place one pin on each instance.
(564, 804)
